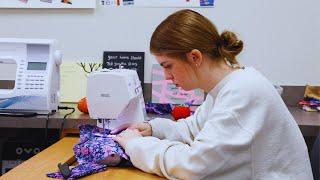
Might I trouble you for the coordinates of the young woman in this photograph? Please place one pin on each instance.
(243, 130)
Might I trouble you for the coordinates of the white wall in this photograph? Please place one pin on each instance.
(282, 38)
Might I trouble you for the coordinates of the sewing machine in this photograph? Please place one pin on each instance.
(29, 76)
(114, 97)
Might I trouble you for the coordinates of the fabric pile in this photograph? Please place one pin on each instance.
(311, 100)
(176, 111)
(159, 109)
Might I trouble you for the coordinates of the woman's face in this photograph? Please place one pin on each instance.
(178, 71)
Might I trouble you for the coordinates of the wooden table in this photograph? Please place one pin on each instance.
(47, 160)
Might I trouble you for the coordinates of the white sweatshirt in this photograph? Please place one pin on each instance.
(243, 130)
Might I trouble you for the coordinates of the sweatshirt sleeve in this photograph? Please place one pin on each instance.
(176, 131)
(183, 130)
(220, 140)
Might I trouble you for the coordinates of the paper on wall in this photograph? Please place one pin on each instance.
(164, 91)
(158, 3)
(74, 81)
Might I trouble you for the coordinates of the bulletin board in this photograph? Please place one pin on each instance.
(164, 91)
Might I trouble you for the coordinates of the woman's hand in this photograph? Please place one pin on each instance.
(143, 128)
(127, 135)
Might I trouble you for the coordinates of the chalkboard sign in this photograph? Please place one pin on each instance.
(128, 60)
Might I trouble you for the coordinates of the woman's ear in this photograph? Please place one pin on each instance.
(195, 57)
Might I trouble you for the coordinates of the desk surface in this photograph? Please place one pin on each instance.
(47, 160)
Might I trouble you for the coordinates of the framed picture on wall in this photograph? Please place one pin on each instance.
(47, 3)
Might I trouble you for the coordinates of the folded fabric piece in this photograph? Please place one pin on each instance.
(311, 101)
(310, 104)
(161, 109)
(95, 151)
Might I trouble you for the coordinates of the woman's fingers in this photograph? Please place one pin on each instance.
(143, 128)
(120, 128)
(126, 136)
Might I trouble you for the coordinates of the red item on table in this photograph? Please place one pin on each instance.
(180, 112)
(82, 105)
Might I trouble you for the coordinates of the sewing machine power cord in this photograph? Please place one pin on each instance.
(65, 117)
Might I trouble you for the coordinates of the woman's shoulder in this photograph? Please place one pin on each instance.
(248, 79)
(247, 83)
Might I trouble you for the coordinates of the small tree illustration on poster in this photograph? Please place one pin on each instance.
(74, 79)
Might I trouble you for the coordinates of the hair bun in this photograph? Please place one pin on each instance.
(230, 46)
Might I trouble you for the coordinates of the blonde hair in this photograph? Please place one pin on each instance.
(186, 30)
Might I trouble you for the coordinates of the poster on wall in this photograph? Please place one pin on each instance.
(47, 3)
(70, 90)
(158, 3)
(164, 91)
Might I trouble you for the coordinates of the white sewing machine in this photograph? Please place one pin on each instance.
(115, 97)
(29, 75)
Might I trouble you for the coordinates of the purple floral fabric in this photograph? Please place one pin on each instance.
(80, 171)
(96, 146)
(95, 151)
(161, 109)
